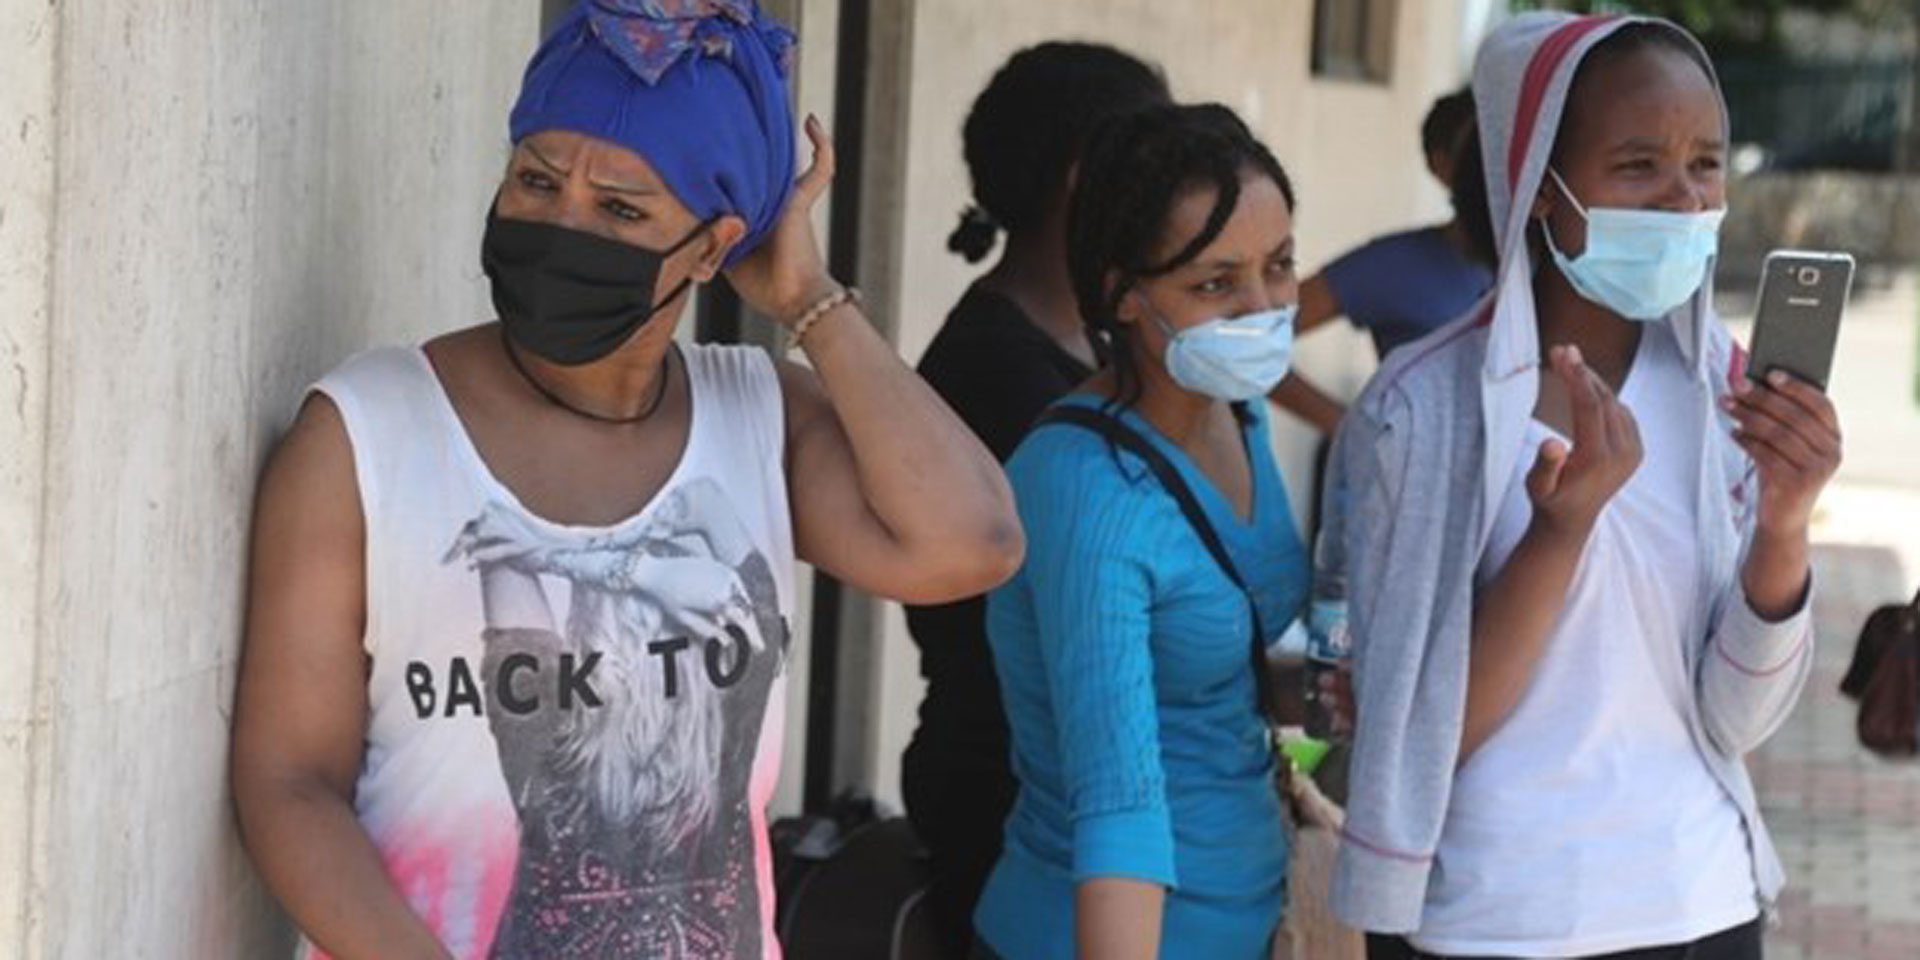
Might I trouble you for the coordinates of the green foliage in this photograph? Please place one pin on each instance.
(1726, 27)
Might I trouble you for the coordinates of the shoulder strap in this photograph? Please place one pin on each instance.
(1130, 440)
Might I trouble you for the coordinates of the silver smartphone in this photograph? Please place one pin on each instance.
(1802, 295)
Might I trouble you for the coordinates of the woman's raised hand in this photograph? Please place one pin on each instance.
(1569, 488)
(786, 275)
(1792, 433)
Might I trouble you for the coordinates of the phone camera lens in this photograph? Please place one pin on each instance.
(1809, 276)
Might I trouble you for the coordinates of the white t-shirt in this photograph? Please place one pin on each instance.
(1589, 822)
(574, 730)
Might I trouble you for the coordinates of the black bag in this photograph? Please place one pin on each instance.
(1885, 678)
(851, 885)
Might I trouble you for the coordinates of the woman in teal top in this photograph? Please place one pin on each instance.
(1147, 824)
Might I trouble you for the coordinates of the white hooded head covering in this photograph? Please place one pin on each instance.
(1521, 80)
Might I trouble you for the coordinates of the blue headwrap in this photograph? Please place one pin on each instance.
(697, 87)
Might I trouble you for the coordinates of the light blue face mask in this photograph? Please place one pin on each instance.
(1640, 264)
(1232, 358)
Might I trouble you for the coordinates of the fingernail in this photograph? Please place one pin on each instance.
(1573, 353)
(1777, 378)
(1742, 387)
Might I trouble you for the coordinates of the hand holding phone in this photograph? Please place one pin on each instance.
(1802, 295)
(1792, 432)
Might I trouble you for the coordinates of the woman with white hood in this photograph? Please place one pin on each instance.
(1577, 542)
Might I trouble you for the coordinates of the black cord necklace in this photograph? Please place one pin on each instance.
(659, 393)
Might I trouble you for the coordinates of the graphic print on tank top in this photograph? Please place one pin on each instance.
(626, 681)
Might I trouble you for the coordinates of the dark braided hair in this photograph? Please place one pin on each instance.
(1447, 122)
(1134, 170)
(1028, 126)
(1470, 200)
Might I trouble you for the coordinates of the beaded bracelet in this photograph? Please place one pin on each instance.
(821, 308)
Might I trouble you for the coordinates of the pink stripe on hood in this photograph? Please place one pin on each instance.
(1541, 69)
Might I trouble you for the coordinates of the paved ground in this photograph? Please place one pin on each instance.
(1848, 824)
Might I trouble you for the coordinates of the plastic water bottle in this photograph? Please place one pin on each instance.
(1328, 644)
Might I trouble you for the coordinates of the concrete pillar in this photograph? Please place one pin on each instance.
(29, 36)
(210, 202)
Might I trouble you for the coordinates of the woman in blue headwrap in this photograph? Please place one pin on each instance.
(521, 597)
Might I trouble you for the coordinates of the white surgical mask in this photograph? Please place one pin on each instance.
(1640, 264)
(1231, 358)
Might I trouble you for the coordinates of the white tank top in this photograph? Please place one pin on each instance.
(575, 731)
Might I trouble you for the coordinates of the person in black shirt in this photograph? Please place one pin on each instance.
(1012, 345)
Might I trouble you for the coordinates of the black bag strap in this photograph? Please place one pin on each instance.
(1130, 440)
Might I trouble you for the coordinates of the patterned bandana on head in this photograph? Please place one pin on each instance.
(697, 87)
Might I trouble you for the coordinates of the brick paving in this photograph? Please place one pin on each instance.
(1847, 823)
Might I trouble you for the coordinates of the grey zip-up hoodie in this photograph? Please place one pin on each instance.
(1419, 466)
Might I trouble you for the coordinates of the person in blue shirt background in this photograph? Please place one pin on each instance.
(1147, 823)
(1401, 286)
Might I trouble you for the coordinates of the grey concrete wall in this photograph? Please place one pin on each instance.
(209, 203)
(28, 37)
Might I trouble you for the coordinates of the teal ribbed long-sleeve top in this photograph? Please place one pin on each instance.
(1122, 653)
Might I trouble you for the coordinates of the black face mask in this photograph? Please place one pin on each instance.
(571, 297)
